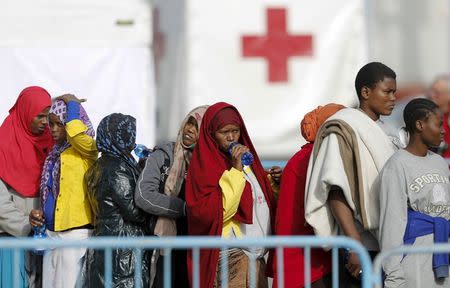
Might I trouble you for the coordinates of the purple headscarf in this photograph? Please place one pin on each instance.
(52, 163)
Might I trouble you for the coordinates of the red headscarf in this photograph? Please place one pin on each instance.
(203, 193)
(22, 153)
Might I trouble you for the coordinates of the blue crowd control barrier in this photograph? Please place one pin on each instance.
(378, 261)
(196, 244)
(269, 163)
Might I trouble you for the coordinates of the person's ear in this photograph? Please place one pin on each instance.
(365, 92)
(419, 125)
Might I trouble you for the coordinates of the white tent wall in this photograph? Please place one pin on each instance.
(169, 47)
(412, 37)
(203, 63)
(99, 50)
(102, 50)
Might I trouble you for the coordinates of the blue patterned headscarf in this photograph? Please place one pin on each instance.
(116, 135)
(52, 166)
(59, 108)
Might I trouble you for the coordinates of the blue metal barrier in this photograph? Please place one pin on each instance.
(197, 243)
(269, 163)
(378, 262)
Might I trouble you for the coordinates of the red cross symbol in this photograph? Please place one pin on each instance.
(277, 46)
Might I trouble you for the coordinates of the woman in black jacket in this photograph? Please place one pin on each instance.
(111, 183)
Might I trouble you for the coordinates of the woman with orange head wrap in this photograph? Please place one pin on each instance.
(290, 220)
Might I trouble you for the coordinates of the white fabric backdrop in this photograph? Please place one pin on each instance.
(74, 46)
(111, 79)
(214, 69)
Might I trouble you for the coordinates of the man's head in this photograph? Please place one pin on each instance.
(439, 92)
(375, 85)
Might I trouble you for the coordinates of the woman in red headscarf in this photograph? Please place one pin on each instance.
(290, 220)
(24, 144)
(226, 198)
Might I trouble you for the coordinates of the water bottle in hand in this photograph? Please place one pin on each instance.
(39, 233)
(246, 158)
(141, 151)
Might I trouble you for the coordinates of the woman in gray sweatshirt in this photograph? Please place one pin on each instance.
(415, 200)
(160, 192)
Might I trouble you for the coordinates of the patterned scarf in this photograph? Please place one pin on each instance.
(116, 135)
(52, 164)
(182, 155)
(177, 173)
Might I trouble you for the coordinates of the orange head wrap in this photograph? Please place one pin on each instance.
(314, 119)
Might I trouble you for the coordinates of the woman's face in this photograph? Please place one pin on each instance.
(39, 123)
(57, 128)
(433, 132)
(226, 135)
(190, 132)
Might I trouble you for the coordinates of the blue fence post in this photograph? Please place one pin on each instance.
(16, 270)
(252, 264)
(196, 265)
(108, 267)
(307, 250)
(280, 266)
(224, 267)
(167, 267)
(138, 268)
(335, 266)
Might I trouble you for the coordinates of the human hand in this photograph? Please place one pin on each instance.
(275, 173)
(353, 265)
(236, 156)
(70, 97)
(36, 218)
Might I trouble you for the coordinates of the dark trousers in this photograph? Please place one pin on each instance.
(179, 271)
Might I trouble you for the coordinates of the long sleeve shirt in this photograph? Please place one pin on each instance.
(232, 184)
(421, 184)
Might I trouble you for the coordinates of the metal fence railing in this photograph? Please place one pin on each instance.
(371, 274)
(196, 244)
(403, 250)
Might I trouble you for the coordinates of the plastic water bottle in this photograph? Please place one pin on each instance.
(246, 158)
(39, 233)
(141, 151)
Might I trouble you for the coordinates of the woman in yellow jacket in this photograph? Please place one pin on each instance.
(66, 212)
